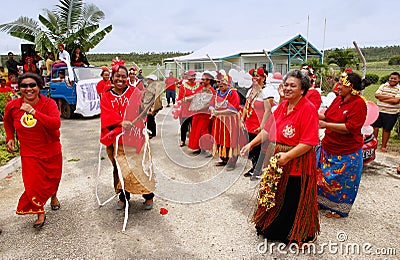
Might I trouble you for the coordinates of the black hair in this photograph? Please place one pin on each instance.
(119, 67)
(395, 74)
(103, 71)
(302, 76)
(358, 83)
(33, 76)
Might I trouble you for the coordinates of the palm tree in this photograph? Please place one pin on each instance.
(343, 58)
(72, 23)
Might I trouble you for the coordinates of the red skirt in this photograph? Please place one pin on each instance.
(41, 179)
(228, 136)
(200, 134)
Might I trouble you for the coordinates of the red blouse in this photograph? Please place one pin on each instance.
(352, 113)
(39, 135)
(187, 89)
(298, 127)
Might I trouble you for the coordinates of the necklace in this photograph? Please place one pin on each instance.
(219, 104)
(249, 106)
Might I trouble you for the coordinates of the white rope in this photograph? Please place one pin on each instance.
(97, 181)
(121, 180)
(146, 150)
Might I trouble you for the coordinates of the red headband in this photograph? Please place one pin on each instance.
(116, 64)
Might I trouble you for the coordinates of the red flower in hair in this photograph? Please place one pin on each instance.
(116, 64)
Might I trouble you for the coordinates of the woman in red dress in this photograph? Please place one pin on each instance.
(105, 83)
(120, 110)
(186, 91)
(256, 112)
(293, 215)
(200, 139)
(226, 130)
(36, 121)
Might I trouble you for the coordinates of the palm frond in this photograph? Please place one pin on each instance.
(91, 14)
(50, 22)
(70, 12)
(98, 37)
(23, 24)
(23, 36)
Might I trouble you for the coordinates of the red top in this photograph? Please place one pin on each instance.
(39, 135)
(103, 86)
(170, 83)
(353, 113)
(117, 108)
(187, 89)
(298, 127)
(314, 97)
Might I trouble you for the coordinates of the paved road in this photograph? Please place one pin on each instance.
(216, 228)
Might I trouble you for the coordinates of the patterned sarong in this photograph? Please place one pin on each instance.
(338, 180)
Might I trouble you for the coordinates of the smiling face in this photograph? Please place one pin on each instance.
(292, 89)
(29, 89)
(120, 79)
(106, 76)
(343, 90)
(393, 80)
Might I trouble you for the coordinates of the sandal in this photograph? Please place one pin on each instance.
(148, 205)
(221, 163)
(230, 168)
(398, 170)
(41, 224)
(181, 144)
(55, 206)
(332, 215)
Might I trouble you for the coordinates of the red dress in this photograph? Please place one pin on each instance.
(40, 151)
(103, 86)
(200, 137)
(226, 130)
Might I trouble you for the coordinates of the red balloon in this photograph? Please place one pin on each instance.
(372, 113)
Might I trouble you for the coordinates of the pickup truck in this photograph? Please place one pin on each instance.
(76, 92)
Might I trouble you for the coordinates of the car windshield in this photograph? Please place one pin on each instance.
(83, 73)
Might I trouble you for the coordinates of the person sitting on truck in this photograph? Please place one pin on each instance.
(63, 57)
(79, 59)
(61, 76)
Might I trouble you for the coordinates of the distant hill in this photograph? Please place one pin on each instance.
(378, 53)
(147, 58)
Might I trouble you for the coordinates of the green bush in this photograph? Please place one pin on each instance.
(384, 79)
(4, 98)
(373, 78)
(394, 60)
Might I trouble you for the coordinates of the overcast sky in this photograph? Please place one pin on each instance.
(180, 25)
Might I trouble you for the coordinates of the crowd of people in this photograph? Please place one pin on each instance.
(309, 173)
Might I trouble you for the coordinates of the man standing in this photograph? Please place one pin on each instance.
(12, 65)
(170, 88)
(388, 96)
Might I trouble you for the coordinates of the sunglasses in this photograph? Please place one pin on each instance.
(25, 85)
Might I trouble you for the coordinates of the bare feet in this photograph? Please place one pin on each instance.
(383, 149)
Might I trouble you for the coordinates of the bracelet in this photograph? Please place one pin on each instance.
(31, 111)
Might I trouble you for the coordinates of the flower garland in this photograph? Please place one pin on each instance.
(269, 184)
(249, 106)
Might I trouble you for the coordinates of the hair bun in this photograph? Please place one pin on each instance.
(365, 83)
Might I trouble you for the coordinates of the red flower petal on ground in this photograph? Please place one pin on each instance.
(163, 211)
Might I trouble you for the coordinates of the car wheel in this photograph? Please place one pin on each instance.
(66, 111)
